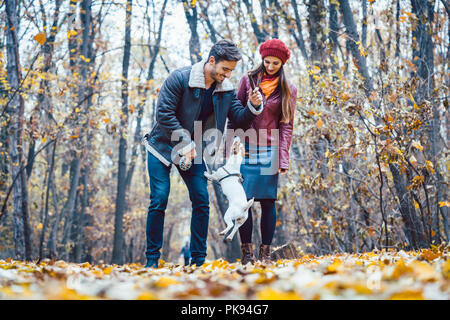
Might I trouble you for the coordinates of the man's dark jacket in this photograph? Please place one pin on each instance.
(179, 105)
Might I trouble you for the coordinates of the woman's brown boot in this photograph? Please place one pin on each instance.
(247, 253)
(264, 253)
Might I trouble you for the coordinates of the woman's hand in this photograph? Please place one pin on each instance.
(282, 171)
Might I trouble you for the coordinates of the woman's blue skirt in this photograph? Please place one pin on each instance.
(259, 170)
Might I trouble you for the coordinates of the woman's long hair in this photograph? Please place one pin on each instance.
(283, 85)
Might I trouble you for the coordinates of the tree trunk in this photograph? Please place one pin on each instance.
(117, 255)
(413, 227)
(166, 242)
(299, 38)
(190, 11)
(16, 109)
(259, 31)
(70, 211)
(397, 30)
(423, 47)
(316, 22)
(353, 40)
(47, 195)
(80, 216)
(205, 17)
(144, 92)
(333, 35)
(364, 24)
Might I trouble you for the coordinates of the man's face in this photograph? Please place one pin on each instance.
(221, 70)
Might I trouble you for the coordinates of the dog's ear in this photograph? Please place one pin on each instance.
(249, 204)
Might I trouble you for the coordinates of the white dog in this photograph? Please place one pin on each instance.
(229, 177)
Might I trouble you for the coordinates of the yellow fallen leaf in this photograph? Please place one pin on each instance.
(446, 269)
(273, 294)
(407, 295)
(429, 255)
(108, 270)
(147, 296)
(332, 268)
(423, 271)
(7, 291)
(69, 294)
(164, 282)
(400, 269)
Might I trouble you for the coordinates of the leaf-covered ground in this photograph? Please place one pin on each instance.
(374, 275)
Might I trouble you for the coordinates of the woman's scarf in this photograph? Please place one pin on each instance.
(268, 84)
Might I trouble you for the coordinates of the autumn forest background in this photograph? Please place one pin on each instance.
(78, 88)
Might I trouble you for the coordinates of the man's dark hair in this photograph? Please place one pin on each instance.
(225, 50)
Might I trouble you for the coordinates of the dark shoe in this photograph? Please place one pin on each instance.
(152, 263)
(264, 254)
(198, 263)
(247, 253)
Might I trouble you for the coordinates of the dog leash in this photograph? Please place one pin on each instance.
(206, 165)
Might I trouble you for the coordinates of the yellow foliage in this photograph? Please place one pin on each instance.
(108, 270)
(423, 271)
(407, 295)
(333, 268)
(319, 123)
(147, 295)
(446, 269)
(41, 38)
(400, 269)
(444, 203)
(274, 294)
(164, 282)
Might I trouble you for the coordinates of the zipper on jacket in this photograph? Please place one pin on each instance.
(200, 97)
(214, 99)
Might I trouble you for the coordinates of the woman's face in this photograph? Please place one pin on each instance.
(272, 64)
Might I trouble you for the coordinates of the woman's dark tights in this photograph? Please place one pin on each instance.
(268, 221)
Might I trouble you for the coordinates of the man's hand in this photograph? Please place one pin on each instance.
(282, 171)
(255, 97)
(190, 156)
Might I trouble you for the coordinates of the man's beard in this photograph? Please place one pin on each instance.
(216, 76)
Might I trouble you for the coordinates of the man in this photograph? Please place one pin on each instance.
(203, 94)
(186, 253)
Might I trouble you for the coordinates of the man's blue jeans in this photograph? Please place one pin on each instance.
(197, 184)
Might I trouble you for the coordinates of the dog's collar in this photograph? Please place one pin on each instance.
(231, 175)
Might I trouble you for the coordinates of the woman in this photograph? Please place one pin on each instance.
(267, 151)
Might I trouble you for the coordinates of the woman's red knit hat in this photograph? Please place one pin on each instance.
(275, 48)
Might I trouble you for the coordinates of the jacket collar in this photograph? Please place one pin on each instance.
(197, 79)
